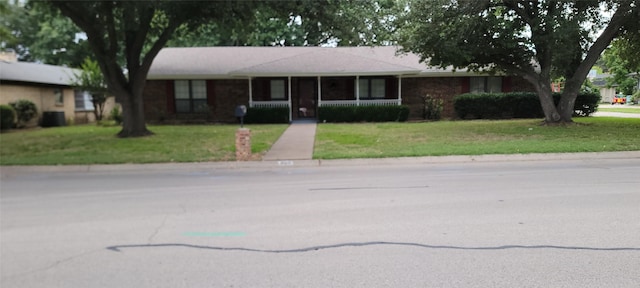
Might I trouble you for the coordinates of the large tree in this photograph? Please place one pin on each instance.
(136, 31)
(536, 40)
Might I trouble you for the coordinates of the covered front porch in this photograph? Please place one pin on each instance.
(304, 95)
(325, 77)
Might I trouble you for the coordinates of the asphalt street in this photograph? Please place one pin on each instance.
(554, 223)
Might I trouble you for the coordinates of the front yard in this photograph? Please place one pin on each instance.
(90, 144)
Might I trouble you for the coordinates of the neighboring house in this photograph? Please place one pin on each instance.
(207, 83)
(47, 86)
(600, 80)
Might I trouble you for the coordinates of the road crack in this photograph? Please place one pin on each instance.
(157, 230)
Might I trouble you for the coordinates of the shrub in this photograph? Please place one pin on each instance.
(515, 105)
(363, 113)
(432, 107)
(7, 117)
(267, 115)
(116, 115)
(25, 111)
(586, 103)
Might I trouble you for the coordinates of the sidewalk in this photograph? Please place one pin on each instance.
(296, 143)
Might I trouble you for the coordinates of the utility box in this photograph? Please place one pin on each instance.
(53, 119)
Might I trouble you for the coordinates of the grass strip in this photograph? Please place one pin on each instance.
(633, 110)
(90, 144)
(375, 140)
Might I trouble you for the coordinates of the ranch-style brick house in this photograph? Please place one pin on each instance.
(207, 83)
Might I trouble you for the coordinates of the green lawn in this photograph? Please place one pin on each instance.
(90, 144)
(633, 110)
(474, 138)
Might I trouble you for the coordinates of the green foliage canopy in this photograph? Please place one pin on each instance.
(39, 33)
(537, 40)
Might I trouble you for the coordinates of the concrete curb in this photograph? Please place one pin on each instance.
(283, 164)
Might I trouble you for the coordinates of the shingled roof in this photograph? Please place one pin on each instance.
(229, 62)
(36, 73)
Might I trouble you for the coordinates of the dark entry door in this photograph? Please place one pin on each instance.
(307, 98)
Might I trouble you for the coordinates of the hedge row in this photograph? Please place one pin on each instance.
(515, 105)
(267, 115)
(7, 117)
(363, 113)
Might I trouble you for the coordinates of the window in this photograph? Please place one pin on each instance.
(191, 96)
(58, 96)
(485, 85)
(278, 90)
(83, 101)
(372, 87)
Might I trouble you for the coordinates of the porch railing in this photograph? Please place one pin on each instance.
(269, 104)
(375, 102)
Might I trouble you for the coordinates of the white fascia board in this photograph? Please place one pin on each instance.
(446, 73)
(190, 77)
(334, 74)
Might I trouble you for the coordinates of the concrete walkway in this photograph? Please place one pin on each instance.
(296, 143)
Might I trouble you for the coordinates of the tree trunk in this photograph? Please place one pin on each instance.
(133, 122)
(543, 89)
(566, 106)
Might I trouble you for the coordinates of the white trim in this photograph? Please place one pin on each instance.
(374, 102)
(357, 90)
(319, 92)
(250, 93)
(290, 106)
(270, 104)
(399, 89)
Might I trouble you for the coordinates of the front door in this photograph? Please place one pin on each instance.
(307, 98)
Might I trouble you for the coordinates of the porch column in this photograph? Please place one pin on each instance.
(357, 90)
(399, 89)
(250, 93)
(319, 92)
(290, 106)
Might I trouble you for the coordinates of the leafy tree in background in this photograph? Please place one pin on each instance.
(41, 34)
(305, 23)
(5, 31)
(90, 79)
(623, 62)
(537, 40)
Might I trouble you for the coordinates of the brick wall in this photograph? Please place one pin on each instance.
(519, 84)
(229, 94)
(444, 88)
(155, 101)
(225, 94)
(224, 97)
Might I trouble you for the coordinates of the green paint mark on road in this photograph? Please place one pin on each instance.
(215, 234)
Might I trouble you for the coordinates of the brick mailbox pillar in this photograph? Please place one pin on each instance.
(243, 144)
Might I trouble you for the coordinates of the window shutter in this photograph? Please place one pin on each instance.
(351, 86)
(506, 84)
(465, 84)
(391, 88)
(211, 94)
(171, 98)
